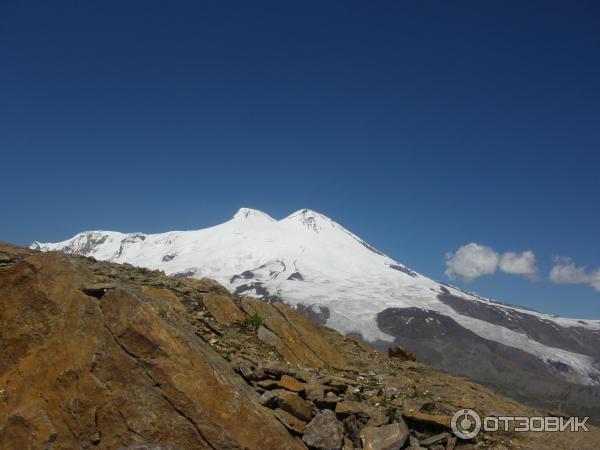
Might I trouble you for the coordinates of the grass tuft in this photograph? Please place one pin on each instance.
(253, 322)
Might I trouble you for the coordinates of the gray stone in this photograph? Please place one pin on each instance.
(324, 432)
(352, 428)
(243, 367)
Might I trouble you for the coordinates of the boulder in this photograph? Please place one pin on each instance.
(386, 437)
(324, 432)
(401, 353)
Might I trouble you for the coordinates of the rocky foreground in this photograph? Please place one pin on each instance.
(96, 355)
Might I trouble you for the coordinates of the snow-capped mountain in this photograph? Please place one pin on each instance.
(331, 275)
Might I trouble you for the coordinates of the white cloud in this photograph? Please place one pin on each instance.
(471, 261)
(474, 260)
(565, 271)
(519, 264)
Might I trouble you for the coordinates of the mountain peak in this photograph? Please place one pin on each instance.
(252, 214)
(309, 218)
(305, 212)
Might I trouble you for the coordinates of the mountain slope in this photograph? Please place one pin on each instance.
(100, 355)
(331, 275)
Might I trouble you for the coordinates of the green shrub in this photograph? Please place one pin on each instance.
(253, 322)
(393, 416)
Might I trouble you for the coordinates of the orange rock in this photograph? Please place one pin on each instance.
(223, 309)
(164, 294)
(433, 420)
(288, 401)
(291, 384)
(78, 372)
(291, 422)
(384, 437)
(299, 340)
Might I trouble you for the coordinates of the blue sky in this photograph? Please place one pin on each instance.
(420, 126)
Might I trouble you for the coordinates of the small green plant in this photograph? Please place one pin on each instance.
(253, 322)
(393, 415)
(141, 270)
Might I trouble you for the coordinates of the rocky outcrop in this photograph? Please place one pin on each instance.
(398, 352)
(223, 309)
(299, 340)
(79, 371)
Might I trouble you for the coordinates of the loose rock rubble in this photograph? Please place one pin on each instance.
(338, 411)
